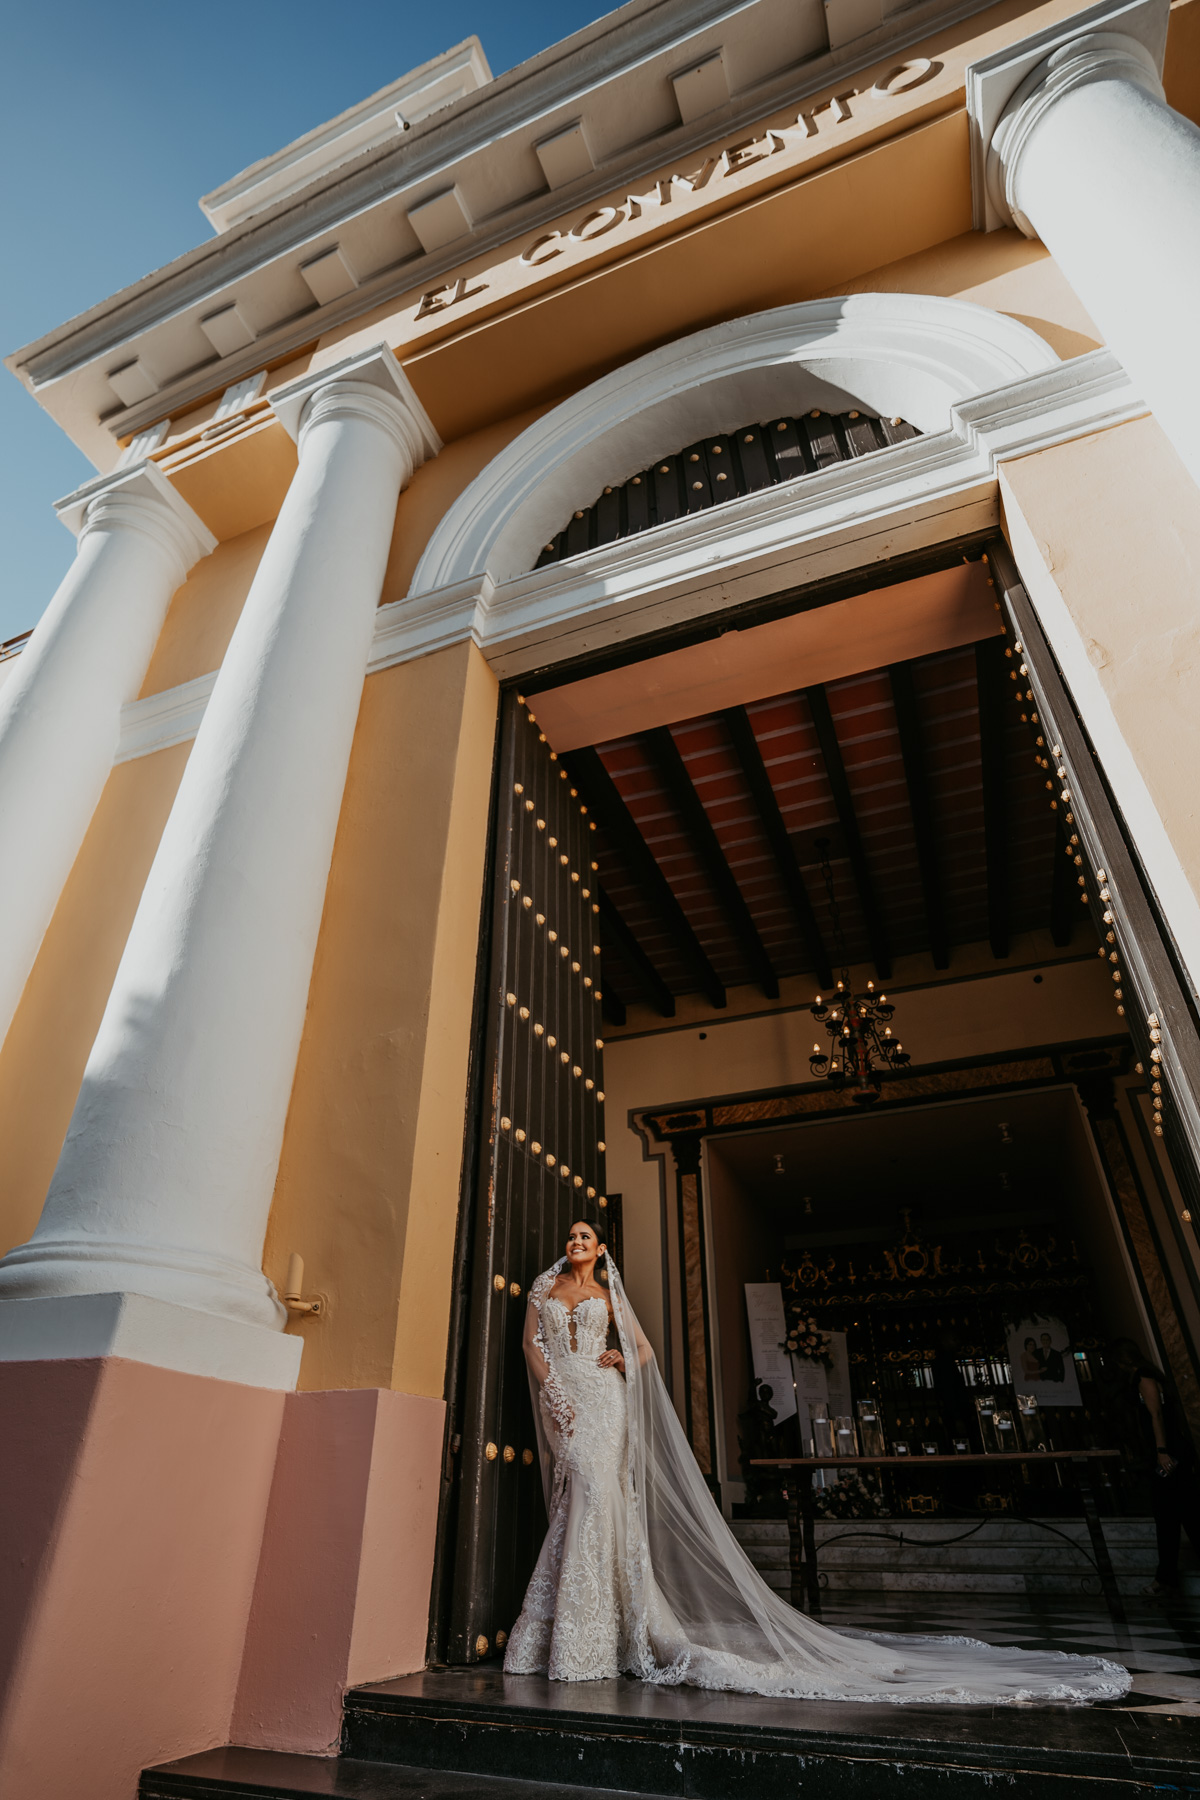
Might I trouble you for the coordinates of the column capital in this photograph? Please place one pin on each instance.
(371, 385)
(1009, 91)
(142, 499)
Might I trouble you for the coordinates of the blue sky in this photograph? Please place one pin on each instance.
(116, 118)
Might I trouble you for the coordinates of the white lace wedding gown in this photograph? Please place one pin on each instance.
(639, 1573)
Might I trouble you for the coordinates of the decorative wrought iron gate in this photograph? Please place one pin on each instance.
(541, 1162)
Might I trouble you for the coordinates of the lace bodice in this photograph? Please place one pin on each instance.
(582, 1332)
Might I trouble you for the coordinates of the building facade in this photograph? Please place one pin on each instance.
(579, 562)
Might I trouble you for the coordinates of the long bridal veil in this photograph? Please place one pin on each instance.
(703, 1615)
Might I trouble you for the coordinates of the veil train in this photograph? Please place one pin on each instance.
(702, 1614)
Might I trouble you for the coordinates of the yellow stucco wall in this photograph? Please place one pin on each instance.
(376, 1117)
(368, 1183)
(43, 1057)
(1112, 521)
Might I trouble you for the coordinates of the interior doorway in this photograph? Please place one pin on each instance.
(922, 1230)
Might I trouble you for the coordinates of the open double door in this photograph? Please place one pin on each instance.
(539, 1108)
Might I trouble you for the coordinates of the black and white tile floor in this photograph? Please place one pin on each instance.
(1161, 1647)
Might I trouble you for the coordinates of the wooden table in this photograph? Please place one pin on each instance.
(802, 1536)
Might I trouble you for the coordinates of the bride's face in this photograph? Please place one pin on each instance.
(583, 1246)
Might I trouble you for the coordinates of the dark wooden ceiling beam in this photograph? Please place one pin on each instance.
(989, 679)
(1064, 893)
(843, 800)
(920, 802)
(601, 794)
(612, 1007)
(653, 987)
(664, 754)
(787, 867)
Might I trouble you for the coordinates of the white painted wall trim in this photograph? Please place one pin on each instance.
(160, 720)
(744, 549)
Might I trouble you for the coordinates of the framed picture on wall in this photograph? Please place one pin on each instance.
(1042, 1361)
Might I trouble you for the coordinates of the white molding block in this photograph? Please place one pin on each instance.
(440, 220)
(702, 88)
(329, 276)
(374, 121)
(133, 381)
(139, 1329)
(565, 156)
(226, 329)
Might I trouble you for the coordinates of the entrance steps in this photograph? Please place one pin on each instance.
(1006, 1556)
(472, 1734)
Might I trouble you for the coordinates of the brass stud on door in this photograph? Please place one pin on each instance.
(481, 1645)
(510, 1454)
(514, 1288)
(527, 1458)
(491, 1452)
(501, 1639)
(498, 1283)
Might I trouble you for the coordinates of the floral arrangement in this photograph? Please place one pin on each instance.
(806, 1341)
(851, 1498)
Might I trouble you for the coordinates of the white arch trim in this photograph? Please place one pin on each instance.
(907, 354)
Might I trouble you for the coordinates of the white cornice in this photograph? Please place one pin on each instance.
(613, 72)
(372, 123)
(703, 564)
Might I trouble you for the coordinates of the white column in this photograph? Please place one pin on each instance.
(166, 1177)
(1087, 156)
(60, 708)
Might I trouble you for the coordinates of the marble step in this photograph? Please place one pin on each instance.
(774, 1531)
(699, 1745)
(1007, 1556)
(857, 1555)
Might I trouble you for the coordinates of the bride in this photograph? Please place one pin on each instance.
(639, 1572)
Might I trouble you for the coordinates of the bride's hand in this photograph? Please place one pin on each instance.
(612, 1359)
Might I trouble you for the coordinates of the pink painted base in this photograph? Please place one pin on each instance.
(343, 1586)
(186, 1562)
(131, 1518)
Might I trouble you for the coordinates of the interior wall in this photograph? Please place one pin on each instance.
(742, 1249)
(710, 1056)
(1092, 1209)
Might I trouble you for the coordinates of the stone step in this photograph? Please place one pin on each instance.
(1006, 1556)
(730, 1746)
(233, 1773)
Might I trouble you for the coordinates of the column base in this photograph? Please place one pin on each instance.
(141, 1330)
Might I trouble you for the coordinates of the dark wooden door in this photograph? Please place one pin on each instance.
(541, 1162)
